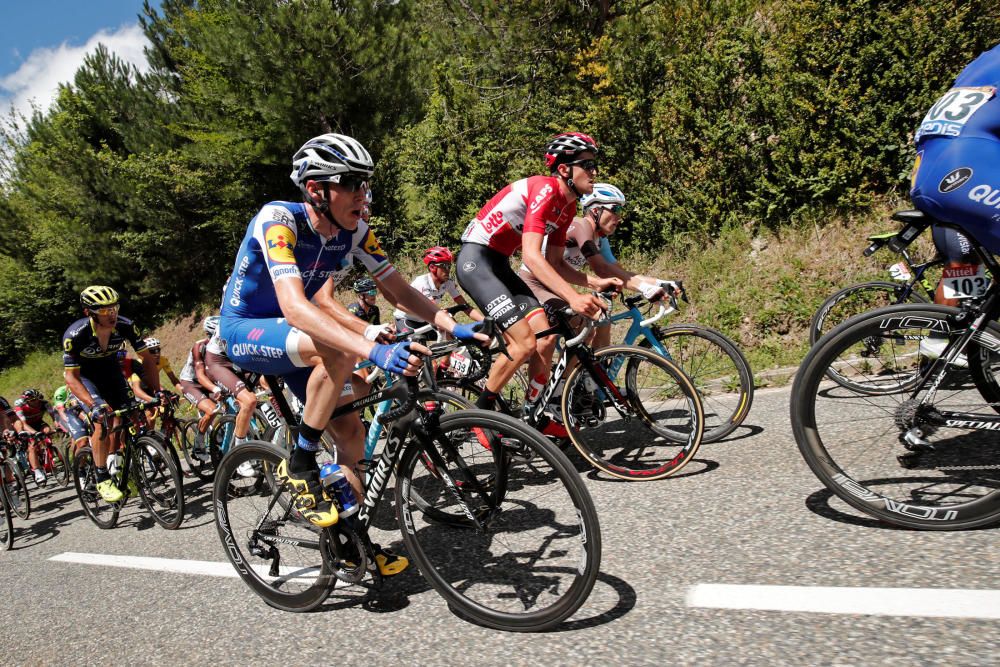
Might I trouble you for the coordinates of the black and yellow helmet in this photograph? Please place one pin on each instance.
(98, 296)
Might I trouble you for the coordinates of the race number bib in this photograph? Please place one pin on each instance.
(900, 272)
(964, 282)
(460, 364)
(953, 110)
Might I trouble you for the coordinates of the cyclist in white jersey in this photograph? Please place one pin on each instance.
(434, 285)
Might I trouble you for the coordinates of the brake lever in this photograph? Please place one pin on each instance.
(490, 329)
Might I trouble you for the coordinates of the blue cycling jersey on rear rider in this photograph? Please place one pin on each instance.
(957, 174)
(280, 243)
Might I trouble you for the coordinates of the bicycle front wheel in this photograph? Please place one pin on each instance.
(275, 551)
(159, 480)
(638, 418)
(898, 455)
(520, 548)
(55, 464)
(719, 371)
(6, 524)
(17, 490)
(103, 514)
(857, 299)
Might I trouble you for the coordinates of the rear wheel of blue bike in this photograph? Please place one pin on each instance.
(719, 371)
(276, 552)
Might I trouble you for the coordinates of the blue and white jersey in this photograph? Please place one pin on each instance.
(281, 244)
(970, 108)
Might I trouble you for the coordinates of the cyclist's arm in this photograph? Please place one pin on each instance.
(325, 300)
(545, 272)
(26, 427)
(77, 388)
(150, 372)
(471, 312)
(315, 322)
(136, 386)
(174, 380)
(201, 370)
(405, 297)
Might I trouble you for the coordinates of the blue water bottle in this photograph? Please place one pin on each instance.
(336, 484)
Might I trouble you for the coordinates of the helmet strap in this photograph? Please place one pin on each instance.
(323, 208)
(568, 180)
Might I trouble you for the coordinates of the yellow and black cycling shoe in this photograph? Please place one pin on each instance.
(389, 564)
(308, 496)
(109, 492)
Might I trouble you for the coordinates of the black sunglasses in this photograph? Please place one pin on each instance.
(352, 182)
(589, 164)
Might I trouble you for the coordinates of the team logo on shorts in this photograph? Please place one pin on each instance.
(280, 241)
(954, 180)
(469, 266)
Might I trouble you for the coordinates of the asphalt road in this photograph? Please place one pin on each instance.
(746, 512)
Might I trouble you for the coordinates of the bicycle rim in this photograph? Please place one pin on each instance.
(535, 558)
(855, 300)
(275, 551)
(853, 440)
(6, 524)
(652, 433)
(159, 481)
(17, 489)
(104, 515)
(59, 469)
(719, 371)
(197, 452)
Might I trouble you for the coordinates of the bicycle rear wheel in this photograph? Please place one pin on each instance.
(854, 300)
(197, 452)
(6, 524)
(534, 557)
(275, 551)
(893, 455)
(17, 490)
(159, 480)
(55, 464)
(652, 431)
(104, 515)
(513, 392)
(719, 371)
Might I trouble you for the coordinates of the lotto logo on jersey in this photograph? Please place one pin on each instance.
(280, 243)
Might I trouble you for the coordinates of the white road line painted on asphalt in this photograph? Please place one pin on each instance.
(201, 567)
(941, 602)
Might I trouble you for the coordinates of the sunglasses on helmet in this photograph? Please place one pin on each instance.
(352, 182)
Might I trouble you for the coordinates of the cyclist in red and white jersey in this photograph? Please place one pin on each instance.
(521, 216)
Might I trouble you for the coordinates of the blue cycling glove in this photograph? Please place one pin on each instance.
(391, 358)
(467, 332)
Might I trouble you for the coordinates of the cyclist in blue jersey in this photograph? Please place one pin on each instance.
(279, 314)
(956, 177)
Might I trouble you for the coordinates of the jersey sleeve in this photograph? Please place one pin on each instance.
(71, 355)
(276, 233)
(578, 235)
(130, 331)
(542, 198)
(451, 288)
(369, 252)
(165, 365)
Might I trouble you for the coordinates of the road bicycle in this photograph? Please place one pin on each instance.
(718, 369)
(147, 469)
(909, 284)
(15, 484)
(51, 460)
(629, 411)
(6, 521)
(510, 544)
(911, 439)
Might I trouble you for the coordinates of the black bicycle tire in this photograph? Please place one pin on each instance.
(740, 363)
(203, 470)
(60, 467)
(23, 509)
(82, 458)
(140, 453)
(576, 594)
(7, 534)
(819, 317)
(693, 438)
(980, 512)
(304, 601)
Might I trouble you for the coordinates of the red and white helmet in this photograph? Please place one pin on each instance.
(438, 254)
(566, 146)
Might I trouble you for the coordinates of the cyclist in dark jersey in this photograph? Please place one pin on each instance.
(364, 308)
(93, 375)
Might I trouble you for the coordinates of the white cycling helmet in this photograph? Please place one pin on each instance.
(326, 157)
(152, 343)
(604, 195)
(211, 325)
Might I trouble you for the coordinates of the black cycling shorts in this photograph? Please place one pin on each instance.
(487, 277)
(110, 389)
(953, 245)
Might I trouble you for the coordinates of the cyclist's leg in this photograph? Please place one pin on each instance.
(349, 434)
(957, 252)
(486, 276)
(220, 370)
(199, 398)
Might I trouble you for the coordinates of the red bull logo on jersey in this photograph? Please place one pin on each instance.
(280, 244)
